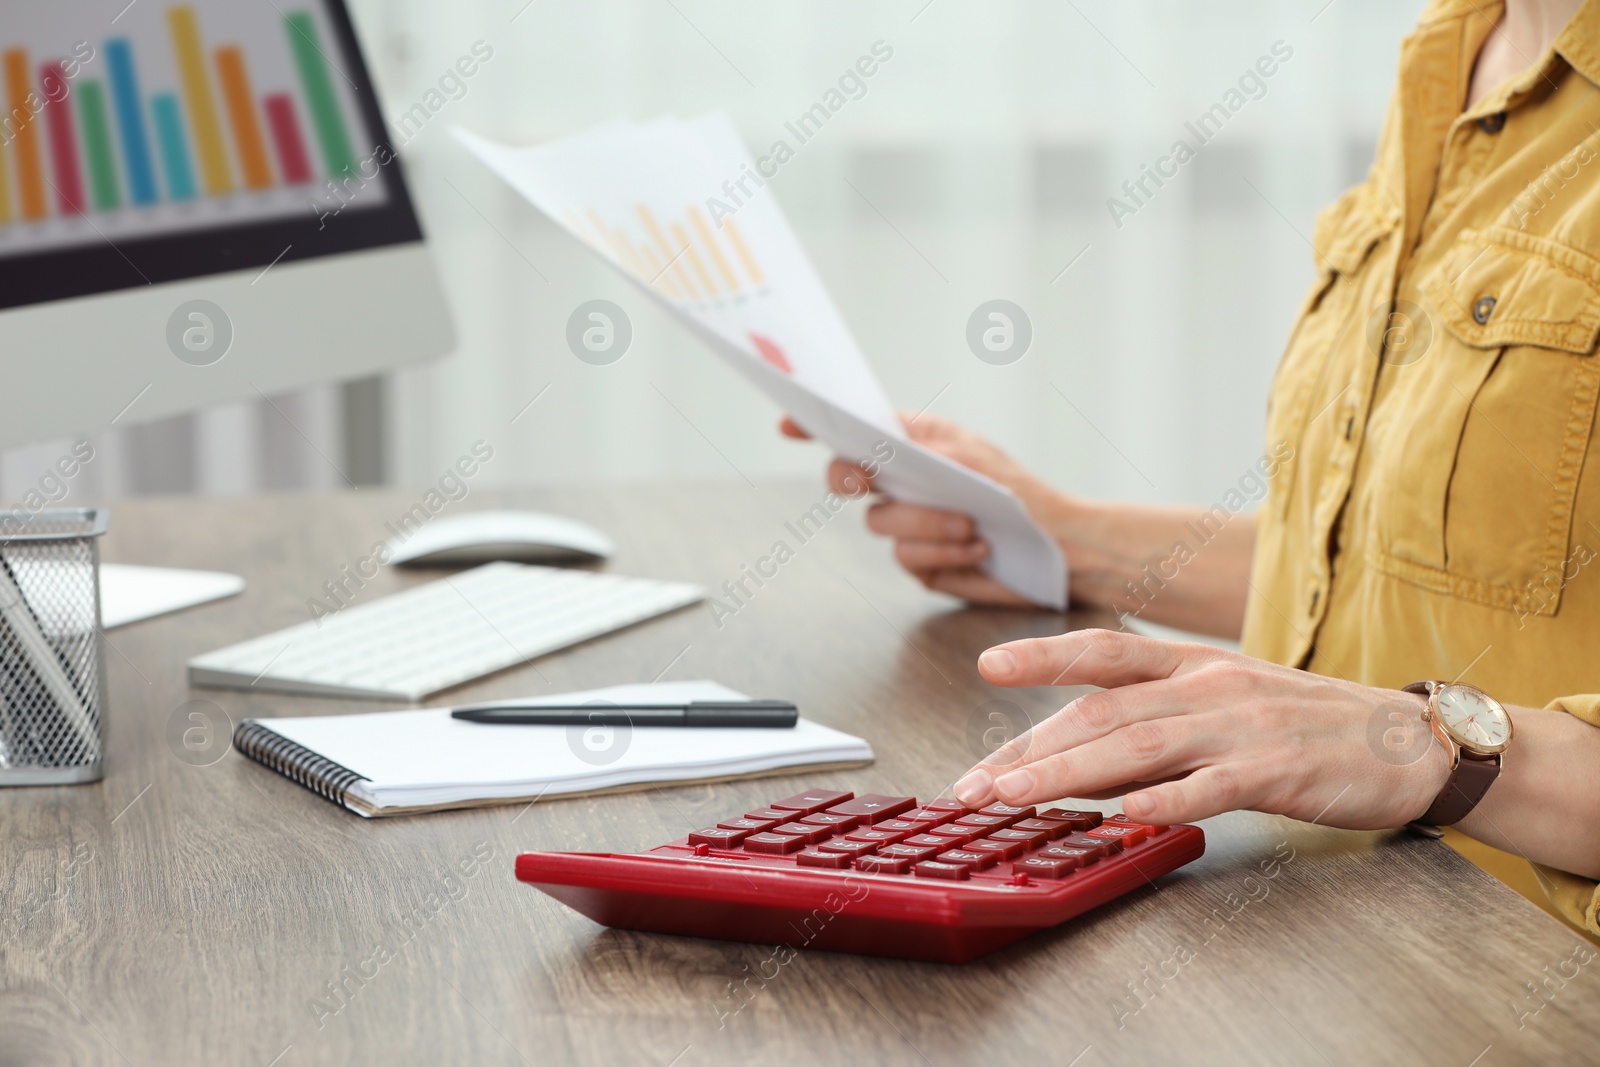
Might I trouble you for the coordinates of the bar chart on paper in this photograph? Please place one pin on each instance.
(176, 117)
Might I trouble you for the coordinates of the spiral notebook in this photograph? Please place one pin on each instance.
(420, 760)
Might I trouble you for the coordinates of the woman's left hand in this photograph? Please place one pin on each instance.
(1188, 731)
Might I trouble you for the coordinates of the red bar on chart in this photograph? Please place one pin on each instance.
(63, 139)
(286, 138)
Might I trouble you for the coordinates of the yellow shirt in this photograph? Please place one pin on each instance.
(1441, 515)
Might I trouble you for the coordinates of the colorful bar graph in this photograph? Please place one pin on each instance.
(20, 120)
(174, 150)
(214, 170)
(97, 146)
(235, 81)
(63, 140)
(292, 158)
(325, 115)
(130, 122)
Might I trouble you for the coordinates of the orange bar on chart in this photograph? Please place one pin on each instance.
(736, 239)
(247, 137)
(5, 190)
(214, 169)
(709, 240)
(672, 255)
(682, 237)
(20, 122)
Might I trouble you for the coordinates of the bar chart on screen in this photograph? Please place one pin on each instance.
(182, 116)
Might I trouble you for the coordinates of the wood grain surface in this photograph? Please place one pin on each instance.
(196, 908)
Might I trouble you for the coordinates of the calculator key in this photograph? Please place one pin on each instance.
(1007, 811)
(978, 861)
(770, 815)
(840, 823)
(1103, 846)
(1006, 850)
(900, 824)
(1077, 820)
(777, 844)
(810, 801)
(907, 852)
(1130, 834)
(814, 857)
(1051, 828)
(984, 822)
(1029, 838)
(718, 837)
(1042, 866)
(748, 825)
(953, 832)
(1122, 820)
(933, 840)
(874, 807)
(946, 804)
(880, 865)
(811, 835)
(876, 836)
(1083, 856)
(955, 872)
(929, 816)
(848, 848)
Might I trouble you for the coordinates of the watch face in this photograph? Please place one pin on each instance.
(1474, 718)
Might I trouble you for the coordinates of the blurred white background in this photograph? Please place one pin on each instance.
(977, 165)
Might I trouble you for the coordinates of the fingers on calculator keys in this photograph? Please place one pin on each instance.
(1075, 820)
(1042, 866)
(811, 835)
(954, 872)
(873, 807)
(840, 823)
(882, 864)
(815, 857)
(718, 837)
(1102, 846)
(978, 861)
(849, 848)
(812, 800)
(777, 844)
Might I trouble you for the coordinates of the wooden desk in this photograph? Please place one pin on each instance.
(177, 914)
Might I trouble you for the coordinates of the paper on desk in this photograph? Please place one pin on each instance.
(652, 200)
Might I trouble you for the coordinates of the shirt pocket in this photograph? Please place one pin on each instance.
(1346, 233)
(1489, 430)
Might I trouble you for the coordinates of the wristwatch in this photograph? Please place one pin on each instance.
(1475, 729)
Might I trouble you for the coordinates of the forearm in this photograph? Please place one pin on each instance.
(1545, 806)
(1176, 566)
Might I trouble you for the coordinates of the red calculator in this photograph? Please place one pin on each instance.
(879, 875)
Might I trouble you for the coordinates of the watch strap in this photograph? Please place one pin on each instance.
(1468, 781)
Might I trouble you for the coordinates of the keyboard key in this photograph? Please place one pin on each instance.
(874, 807)
(778, 844)
(955, 872)
(1083, 856)
(1130, 834)
(908, 852)
(946, 804)
(978, 861)
(876, 836)
(1051, 828)
(934, 840)
(984, 822)
(929, 816)
(960, 834)
(1042, 866)
(814, 857)
(1103, 846)
(1120, 819)
(811, 835)
(1029, 838)
(769, 815)
(848, 848)
(811, 800)
(1007, 811)
(718, 837)
(840, 823)
(1077, 820)
(900, 824)
(880, 865)
(1006, 850)
(748, 825)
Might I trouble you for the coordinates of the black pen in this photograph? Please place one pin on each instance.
(749, 713)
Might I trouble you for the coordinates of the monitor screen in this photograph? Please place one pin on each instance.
(182, 139)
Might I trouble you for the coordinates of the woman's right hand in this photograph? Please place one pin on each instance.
(940, 548)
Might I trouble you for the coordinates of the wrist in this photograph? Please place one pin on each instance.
(1423, 779)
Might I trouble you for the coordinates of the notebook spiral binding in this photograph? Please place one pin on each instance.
(322, 776)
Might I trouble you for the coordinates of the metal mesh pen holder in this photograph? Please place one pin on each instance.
(52, 672)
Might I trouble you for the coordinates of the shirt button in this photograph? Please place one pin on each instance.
(1493, 123)
(1482, 309)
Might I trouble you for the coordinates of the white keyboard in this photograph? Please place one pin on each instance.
(441, 634)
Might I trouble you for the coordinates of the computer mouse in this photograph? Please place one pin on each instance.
(484, 536)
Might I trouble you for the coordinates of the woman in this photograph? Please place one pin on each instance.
(1435, 500)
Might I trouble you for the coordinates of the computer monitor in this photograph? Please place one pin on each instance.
(198, 203)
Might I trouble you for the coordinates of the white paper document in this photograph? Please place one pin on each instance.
(679, 208)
